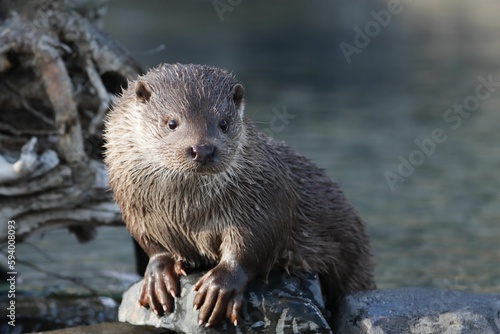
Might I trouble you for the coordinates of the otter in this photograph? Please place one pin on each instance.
(200, 187)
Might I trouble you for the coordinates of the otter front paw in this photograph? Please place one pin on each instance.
(220, 294)
(161, 284)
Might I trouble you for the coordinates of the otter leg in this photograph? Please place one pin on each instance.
(161, 283)
(220, 293)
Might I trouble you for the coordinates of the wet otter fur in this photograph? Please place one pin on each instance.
(200, 186)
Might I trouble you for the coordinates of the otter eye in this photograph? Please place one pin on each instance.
(172, 124)
(224, 125)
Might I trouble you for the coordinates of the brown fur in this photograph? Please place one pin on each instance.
(258, 201)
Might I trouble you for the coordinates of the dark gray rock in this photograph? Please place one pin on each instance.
(419, 311)
(284, 305)
(37, 312)
(110, 328)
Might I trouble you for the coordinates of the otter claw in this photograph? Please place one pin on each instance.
(160, 285)
(220, 294)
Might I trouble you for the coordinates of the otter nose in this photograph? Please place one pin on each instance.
(202, 153)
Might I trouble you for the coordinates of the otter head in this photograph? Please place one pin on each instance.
(192, 115)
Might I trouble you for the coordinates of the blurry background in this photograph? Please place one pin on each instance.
(356, 116)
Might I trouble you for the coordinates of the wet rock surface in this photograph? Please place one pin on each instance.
(283, 305)
(36, 313)
(419, 311)
(294, 305)
(110, 328)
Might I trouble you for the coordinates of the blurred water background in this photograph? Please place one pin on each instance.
(357, 113)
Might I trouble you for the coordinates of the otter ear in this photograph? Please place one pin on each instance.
(238, 92)
(142, 91)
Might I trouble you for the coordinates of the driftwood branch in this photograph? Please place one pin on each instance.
(58, 77)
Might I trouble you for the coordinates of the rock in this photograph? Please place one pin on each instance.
(38, 312)
(419, 311)
(109, 328)
(284, 305)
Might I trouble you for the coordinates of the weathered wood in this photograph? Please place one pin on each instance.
(58, 77)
